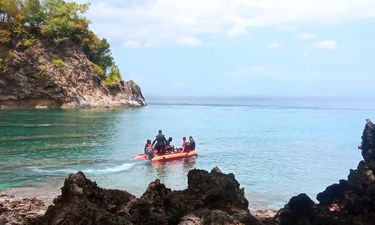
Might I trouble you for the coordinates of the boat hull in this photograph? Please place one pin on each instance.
(167, 157)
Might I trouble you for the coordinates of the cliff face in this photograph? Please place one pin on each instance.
(44, 75)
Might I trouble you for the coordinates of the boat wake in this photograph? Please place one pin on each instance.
(90, 171)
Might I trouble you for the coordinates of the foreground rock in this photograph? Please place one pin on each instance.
(43, 76)
(83, 202)
(211, 198)
(349, 202)
(20, 211)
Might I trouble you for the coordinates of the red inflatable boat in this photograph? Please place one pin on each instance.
(166, 157)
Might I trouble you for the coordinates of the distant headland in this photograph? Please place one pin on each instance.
(49, 58)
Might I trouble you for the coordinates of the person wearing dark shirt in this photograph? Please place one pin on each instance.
(169, 147)
(160, 142)
(190, 145)
(169, 141)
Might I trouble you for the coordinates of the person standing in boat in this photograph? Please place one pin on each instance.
(160, 142)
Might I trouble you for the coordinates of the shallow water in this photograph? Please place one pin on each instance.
(275, 147)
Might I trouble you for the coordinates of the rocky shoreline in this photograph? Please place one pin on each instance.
(210, 198)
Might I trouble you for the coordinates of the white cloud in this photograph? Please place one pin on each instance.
(327, 44)
(236, 31)
(307, 35)
(274, 45)
(161, 22)
(189, 40)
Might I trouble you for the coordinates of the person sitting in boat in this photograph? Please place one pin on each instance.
(190, 146)
(169, 148)
(148, 146)
(160, 142)
(183, 145)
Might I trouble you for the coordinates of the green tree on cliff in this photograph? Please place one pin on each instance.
(63, 20)
(99, 53)
(10, 11)
(33, 14)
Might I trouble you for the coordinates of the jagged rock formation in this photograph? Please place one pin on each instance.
(211, 198)
(350, 202)
(33, 79)
(83, 202)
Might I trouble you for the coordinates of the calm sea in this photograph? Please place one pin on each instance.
(275, 147)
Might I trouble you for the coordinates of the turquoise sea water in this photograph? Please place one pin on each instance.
(275, 147)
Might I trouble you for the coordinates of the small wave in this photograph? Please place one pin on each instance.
(90, 171)
(119, 168)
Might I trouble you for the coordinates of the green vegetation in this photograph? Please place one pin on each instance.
(28, 42)
(5, 37)
(2, 66)
(99, 70)
(58, 62)
(114, 77)
(59, 21)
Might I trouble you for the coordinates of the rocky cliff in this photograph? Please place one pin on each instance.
(43, 75)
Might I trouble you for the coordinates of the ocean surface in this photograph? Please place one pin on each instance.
(276, 147)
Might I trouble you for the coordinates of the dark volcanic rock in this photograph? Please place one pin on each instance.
(211, 198)
(156, 206)
(333, 193)
(214, 190)
(216, 194)
(214, 217)
(299, 211)
(368, 142)
(83, 202)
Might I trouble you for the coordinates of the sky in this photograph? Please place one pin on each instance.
(240, 48)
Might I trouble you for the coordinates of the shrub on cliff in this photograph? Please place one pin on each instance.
(114, 77)
(58, 62)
